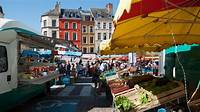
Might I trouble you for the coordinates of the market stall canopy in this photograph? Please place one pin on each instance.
(67, 53)
(105, 48)
(158, 23)
(26, 53)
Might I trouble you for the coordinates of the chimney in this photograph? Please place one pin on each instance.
(1, 12)
(109, 8)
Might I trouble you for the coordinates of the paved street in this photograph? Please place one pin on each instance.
(78, 97)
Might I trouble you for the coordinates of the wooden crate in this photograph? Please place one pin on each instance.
(156, 100)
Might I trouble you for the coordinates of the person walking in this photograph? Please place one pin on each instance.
(87, 68)
(68, 69)
(95, 75)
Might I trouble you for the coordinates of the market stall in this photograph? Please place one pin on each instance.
(147, 92)
(154, 26)
(23, 75)
(33, 69)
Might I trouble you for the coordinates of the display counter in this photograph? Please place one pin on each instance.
(40, 80)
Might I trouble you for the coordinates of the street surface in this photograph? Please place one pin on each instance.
(78, 97)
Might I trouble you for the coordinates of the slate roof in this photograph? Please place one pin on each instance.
(70, 13)
(100, 13)
(85, 12)
(52, 12)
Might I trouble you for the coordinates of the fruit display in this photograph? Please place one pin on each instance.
(119, 89)
(117, 86)
(37, 70)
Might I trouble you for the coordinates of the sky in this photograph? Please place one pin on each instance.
(30, 11)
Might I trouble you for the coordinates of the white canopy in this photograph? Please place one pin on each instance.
(8, 29)
(8, 23)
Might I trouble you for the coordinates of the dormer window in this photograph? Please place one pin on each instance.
(73, 15)
(98, 15)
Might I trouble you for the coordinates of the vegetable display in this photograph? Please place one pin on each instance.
(123, 103)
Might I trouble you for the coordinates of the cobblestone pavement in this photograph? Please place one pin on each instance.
(78, 97)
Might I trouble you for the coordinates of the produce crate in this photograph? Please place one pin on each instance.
(154, 100)
(119, 89)
(163, 98)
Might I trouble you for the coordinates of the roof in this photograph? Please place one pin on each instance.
(100, 13)
(70, 13)
(52, 12)
(12, 24)
(85, 12)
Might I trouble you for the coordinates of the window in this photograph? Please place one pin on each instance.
(53, 23)
(91, 49)
(92, 19)
(54, 33)
(98, 49)
(99, 36)
(91, 29)
(109, 35)
(74, 25)
(104, 25)
(66, 25)
(91, 40)
(84, 29)
(45, 33)
(3, 59)
(74, 36)
(99, 25)
(84, 40)
(110, 26)
(87, 18)
(45, 23)
(84, 50)
(104, 36)
(66, 35)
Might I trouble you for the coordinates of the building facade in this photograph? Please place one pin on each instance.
(88, 33)
(86, 29)
(70, 26)
(1, 12)
(50, 22)
(103, 24)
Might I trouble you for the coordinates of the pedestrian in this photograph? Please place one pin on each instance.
(68, 69)
(95, 75)
(87, 68)
(155, 69)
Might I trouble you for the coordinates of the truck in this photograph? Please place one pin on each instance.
(14, 38)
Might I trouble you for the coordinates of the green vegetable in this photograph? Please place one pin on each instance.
(102, 77)
(123, 103)
(144, 98)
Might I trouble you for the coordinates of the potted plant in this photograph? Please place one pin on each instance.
(123, 104)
